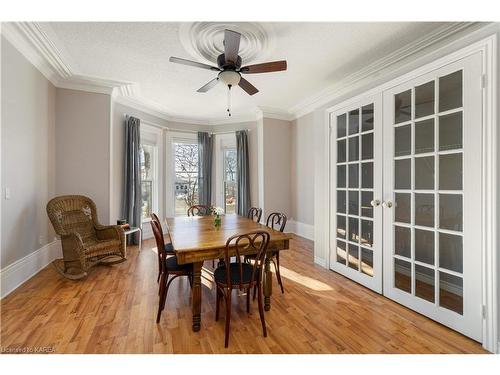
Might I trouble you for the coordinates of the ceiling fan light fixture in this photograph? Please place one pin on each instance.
(230, 77)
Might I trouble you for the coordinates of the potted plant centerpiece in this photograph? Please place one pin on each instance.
(217, 211)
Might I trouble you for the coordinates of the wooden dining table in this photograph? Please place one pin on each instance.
(196, 239)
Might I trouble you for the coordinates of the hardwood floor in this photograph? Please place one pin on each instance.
(114, 310)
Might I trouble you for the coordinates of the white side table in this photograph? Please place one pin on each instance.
(133, 230)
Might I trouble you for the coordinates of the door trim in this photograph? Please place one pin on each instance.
(488, 49)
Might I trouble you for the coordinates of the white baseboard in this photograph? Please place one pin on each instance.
(15, 274)
(320, 262)
(300, 229)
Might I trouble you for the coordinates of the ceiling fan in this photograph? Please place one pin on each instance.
(230, 69)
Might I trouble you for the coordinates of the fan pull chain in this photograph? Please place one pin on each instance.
(229, 100)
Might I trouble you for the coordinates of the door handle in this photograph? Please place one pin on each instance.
(387, 204)
(375, 203)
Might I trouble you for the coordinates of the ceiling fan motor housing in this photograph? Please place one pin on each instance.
(228, 65)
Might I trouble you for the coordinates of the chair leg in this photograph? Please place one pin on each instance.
(254, 292)
(248, 300)
(261, 310)
(190, 278)
(228, 317)
(162, 295)
(277, 269)
(217, 303)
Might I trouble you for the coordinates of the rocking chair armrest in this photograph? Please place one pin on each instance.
(109, 232)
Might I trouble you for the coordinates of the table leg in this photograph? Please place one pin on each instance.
(268, 283)
(196, 300)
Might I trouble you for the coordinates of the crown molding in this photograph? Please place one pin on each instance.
(276, 113)
(347, 84)
(155, 110)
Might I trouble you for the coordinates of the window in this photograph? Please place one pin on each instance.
(230, 185)
(186, 176)
(149, 181)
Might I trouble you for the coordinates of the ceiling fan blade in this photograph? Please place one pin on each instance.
(231, 45)
(209, 85)
(274, 66)
(196, 64)
(248, 87)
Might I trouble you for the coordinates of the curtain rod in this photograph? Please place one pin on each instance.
(185, 130)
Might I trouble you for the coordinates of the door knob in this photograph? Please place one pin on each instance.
(375, 203)
(387, 204)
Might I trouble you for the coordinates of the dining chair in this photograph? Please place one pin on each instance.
(167, 246)
(241, 275)
(169, 267)
(277, 221)
(199, 210)
(255, 214)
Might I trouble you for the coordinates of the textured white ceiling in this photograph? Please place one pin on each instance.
(318, 55)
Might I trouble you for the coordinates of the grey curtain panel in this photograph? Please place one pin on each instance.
(205, 152)
(243, 173)
(132, 200)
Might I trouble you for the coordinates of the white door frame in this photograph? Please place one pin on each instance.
(489, 241)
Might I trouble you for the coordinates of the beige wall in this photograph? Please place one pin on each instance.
(276, 138)
(28, 110)
(83, 147)
(302, 169)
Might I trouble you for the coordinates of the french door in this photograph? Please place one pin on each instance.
(356, 189)
(432, 195)
(405, 193)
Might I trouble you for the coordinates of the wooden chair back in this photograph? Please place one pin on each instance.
(276, 221)
(160, 245)
(199, 210)
(255, 214)
(237, 246)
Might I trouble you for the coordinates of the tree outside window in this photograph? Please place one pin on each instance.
(186, 176)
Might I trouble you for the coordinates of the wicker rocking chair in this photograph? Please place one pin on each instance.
(85, 242)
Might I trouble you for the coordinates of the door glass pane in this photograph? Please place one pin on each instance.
(402, 207)
(451, 292)
(450, 172)
(450, 211)
(230, 183)
(402, 275)
(424, 283)
(366, 206)
(450, 131)
(353, 203)
(341, 232)
(450, 91)
(354, 148)
(402, 107)
(353, 175)
(402, 241)
(367, 175)
(354, 256)
(367, 233)
(341, 176)
(424, 209)
(367, 146)
(402, 140)
(353, 229)
(424, 99)
(367, 262)
(450, 252)
(424, 173)
(341, 198)
(424, 246)
(341, 126)
(341, 151)
(341, 252)
(424, 136)
(367, 118)
(354, 122)
(402, 174)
